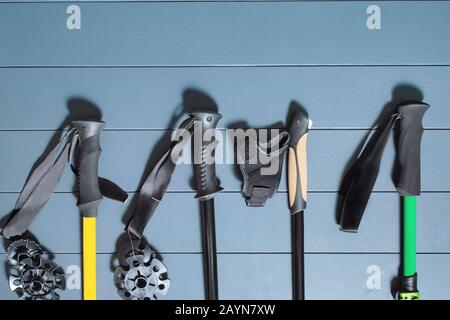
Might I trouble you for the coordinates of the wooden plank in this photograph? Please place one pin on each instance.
(244, 276)
(148, 98)
(175, 227)
(126, 153)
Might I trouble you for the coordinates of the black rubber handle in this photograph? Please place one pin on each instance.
(204, 154)
(89, 195)
(297, 164)
(408, 155)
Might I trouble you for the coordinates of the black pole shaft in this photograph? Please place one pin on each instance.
(298, 261)
(209, 248)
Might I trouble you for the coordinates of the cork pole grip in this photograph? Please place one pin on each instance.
(298, 172)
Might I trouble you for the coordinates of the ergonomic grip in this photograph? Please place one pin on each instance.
(297, 163)
(89, 195)
(408, 155)
(204, 154)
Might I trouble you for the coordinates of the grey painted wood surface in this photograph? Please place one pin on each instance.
(130, 98)
(240, 276)
(225, 33)
(175, 226)
(126, 153)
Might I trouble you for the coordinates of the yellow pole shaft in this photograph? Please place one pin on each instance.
(89, 259)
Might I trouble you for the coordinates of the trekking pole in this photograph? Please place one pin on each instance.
(89, 198)
(408, 187)
(297, 192)
(207, 186)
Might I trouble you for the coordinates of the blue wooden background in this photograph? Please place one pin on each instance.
(135, 60)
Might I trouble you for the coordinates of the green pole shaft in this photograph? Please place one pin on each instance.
(409, 236)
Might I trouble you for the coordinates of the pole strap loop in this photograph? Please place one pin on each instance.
(42, 182)
(358, 182)
(260, 163)
(156, 183)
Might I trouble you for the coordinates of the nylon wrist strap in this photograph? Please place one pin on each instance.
(155, 185)
(42, 183)
(360, 179)
(253, 158)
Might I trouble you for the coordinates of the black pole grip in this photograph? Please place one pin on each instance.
(89, 195)
(297, 164)
(204, 154)
(408, 155)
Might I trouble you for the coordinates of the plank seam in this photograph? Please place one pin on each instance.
(263, 253)
(239, 192)
(208, 1)
(221, 129)
(161, 66)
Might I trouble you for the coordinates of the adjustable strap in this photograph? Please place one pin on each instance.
(42, 183)
(38, 188)
(156, 184)
(258, 195)
(260, 163)
(360, 179)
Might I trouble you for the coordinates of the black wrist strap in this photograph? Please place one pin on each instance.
(42, 182)
(360, 179)
(154, 187)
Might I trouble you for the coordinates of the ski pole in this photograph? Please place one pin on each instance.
(89, 198)
(408, 187)
(207, 186)
(297, 193)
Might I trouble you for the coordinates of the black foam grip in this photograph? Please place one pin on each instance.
(204, 155)
(89, 195)
(408, 155)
